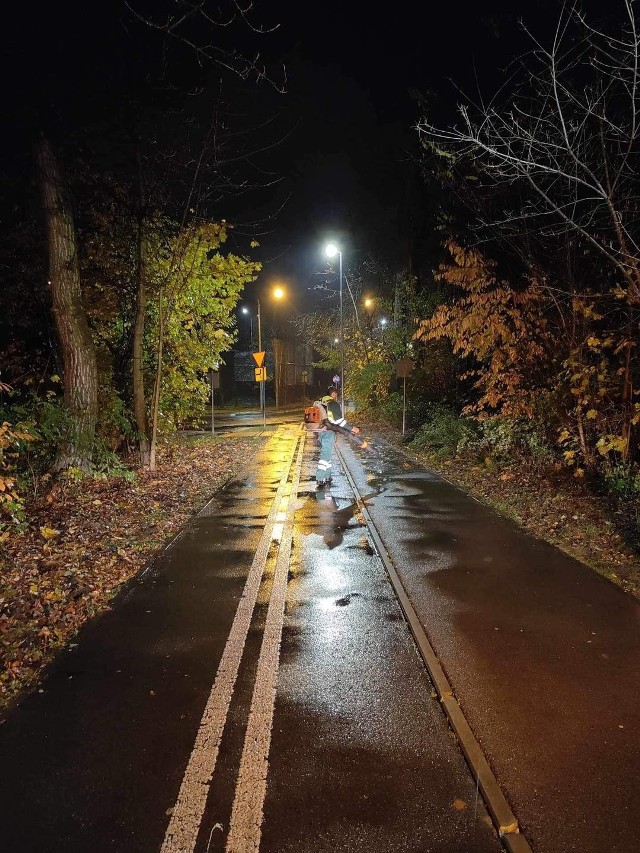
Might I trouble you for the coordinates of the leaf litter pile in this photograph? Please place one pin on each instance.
(85, 539)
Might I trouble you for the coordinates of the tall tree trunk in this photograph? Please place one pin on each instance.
(80, 375)
(155, 403)
(139, 401)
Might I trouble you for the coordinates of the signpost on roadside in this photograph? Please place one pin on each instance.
(214, 379)
(260, 374)
(403, 369)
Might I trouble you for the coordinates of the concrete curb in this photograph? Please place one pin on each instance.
(516, 843)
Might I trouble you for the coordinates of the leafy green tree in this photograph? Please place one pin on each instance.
(196, 288)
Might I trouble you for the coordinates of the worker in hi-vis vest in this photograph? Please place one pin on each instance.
(327, 435)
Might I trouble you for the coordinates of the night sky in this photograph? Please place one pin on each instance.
(354, 73)
(346, 120)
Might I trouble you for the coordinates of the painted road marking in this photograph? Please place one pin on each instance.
(251, 786)
(182, 832)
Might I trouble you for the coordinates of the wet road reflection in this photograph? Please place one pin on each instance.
(522, 630)
(362, 757)
(323, 514)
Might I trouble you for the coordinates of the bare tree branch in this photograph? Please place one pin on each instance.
(567, 132)
(193, 24)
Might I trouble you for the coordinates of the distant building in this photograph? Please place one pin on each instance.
(300, 379)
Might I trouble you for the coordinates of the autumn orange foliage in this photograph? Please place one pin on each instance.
(502, 330)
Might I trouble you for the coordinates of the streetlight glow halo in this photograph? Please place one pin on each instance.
(331, 250)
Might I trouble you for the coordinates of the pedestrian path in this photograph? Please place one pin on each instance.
(543, 654)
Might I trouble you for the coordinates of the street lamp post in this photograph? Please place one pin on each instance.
(369, 304)
(331, 251)
(261, 384)
(278, 293)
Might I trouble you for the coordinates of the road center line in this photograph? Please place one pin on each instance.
(182, 832)
(251, 787)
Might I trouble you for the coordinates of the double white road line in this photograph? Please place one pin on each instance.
(246, 815)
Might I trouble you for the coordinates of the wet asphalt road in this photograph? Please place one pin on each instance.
(358, 753)
(362, 758)
(543, 656)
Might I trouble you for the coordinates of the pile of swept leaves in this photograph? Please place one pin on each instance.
(85, 539)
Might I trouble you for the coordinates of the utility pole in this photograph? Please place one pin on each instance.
(261, 384)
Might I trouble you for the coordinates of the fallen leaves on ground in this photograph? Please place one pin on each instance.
(87, 538)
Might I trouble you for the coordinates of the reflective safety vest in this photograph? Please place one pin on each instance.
(334, 415)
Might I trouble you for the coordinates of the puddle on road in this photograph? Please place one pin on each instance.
(327, 518)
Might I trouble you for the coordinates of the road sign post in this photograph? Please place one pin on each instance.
(403, 369)
(261, 385)
(260, 373)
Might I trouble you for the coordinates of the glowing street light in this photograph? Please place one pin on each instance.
(369, 302)
(278, 293)
(245, 311)
(331, 250)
